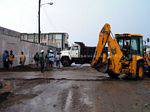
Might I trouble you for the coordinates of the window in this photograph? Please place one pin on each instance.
(121, 43)
(141, 47)
(134, 44)
(58, 36)
(75, 48)
(50, 37)
(135, 47)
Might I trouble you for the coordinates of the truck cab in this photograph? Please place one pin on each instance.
(68, 55)
(75, 51)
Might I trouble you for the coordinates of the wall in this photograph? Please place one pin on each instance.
(10, 40)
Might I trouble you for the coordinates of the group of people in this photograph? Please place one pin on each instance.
(9, 57)
(47, 60)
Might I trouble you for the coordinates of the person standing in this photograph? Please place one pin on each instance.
(11, 58)
(42, 60)
(5, 59)
(22, 58)
(36, 59)
(47, 60)
(51, 58)
(58, 60)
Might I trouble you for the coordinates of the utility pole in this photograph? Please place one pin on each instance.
(39, 30)
(39, 23)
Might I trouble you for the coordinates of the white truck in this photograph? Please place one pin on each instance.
(78, 54)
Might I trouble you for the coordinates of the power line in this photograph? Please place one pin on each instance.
(49, 20)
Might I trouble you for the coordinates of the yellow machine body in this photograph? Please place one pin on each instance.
(115, 59)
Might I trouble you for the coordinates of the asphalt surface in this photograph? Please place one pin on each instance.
(73, 89)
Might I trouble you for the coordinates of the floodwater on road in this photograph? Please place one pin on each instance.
(46, 95)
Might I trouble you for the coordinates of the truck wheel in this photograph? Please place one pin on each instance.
(140, 70)
(65, 62)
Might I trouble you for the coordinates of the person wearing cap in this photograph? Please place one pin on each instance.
(42, 60)
(51, 58)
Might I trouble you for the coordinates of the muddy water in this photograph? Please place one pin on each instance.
(78, 96)
(45, 95)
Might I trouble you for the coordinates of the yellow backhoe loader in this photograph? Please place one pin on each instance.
(124, 57)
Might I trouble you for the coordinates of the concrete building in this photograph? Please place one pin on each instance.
(58, 40)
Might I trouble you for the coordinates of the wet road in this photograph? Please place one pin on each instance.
(75, 89)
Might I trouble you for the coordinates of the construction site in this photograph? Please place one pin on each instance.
(108, 77)
(45, 72)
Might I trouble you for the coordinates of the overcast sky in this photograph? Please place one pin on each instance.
(81, 19)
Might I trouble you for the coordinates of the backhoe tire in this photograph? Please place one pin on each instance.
(66, 62)
(140, 70)
(112, 75)
(103, 69)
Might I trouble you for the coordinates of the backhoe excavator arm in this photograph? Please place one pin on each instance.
(114, 49)
(103, 37)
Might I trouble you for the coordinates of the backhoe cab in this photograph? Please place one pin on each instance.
(124, 58)
(130, 44)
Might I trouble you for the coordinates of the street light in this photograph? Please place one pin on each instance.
(51, 3)
(39, 30)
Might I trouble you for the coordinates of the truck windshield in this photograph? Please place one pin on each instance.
(75, 48)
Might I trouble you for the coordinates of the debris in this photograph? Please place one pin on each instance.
(147, 104)
(5, 88)
(54, 105)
